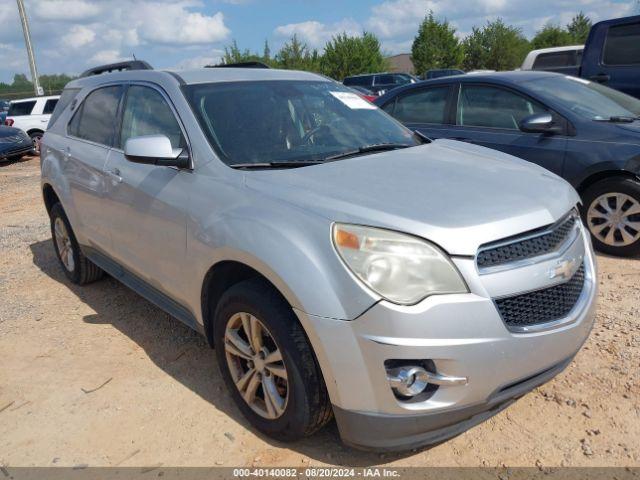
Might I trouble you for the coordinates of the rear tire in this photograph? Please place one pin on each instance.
(78, 268)
(36, 138)
(611, 212)
(305, 405)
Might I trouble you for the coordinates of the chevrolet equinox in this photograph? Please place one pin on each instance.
(340, 264)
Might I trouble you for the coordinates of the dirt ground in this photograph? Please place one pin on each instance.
(159, 399)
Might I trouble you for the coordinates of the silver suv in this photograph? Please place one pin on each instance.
(339, 263)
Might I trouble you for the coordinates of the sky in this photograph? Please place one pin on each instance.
(70, 36)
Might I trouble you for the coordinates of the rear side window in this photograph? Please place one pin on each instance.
(147, 113)
(49, 106)
(364, 81)
(622, 46)
(68, 94)
(385, 80)
(555, 60)
(491, 107)
(95, 120)
(422, 106)
(17, 109)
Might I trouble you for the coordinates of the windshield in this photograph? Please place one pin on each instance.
(290, 121)
(588, 99)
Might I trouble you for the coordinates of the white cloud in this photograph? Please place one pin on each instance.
(106, 56)
(78, 36)
(173, 24)
(316, 34)
(66, 10)
(200, 61)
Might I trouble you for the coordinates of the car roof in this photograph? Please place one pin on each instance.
(377, 73)
(499, 78)
(199, 75)
(556, 49)
(31, 99)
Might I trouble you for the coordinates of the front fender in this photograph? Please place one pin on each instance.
(289, 246)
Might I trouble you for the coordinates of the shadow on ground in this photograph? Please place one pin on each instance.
(186, 356)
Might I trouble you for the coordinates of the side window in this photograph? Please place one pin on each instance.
(622, 46)
(50, 106)
(384, 80)
(422, 106)
(147, 113)
(17, 109)
(492, 107)
(554, 60)
(95, 120)
(67, 96)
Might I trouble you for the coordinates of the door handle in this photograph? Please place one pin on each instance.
(600, 77)
(67, 154)
(115, 175)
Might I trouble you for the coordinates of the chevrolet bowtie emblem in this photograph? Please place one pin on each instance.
(564, 268)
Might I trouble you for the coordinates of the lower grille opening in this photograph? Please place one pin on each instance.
(542, 306)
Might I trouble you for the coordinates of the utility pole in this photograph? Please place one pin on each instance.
(27, 42)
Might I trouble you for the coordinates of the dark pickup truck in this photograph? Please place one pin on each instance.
(611, 56)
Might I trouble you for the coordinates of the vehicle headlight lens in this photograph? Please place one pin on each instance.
(401, 268)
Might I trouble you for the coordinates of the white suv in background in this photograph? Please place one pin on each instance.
(32, 115)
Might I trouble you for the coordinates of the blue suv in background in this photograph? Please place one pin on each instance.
(583, 131)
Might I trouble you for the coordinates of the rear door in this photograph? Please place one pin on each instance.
(489, 115)
(425, 109)
(91, 134)
(146, 204)
(614, 59)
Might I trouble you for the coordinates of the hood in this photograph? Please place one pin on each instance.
(454, 194)
(6, 131)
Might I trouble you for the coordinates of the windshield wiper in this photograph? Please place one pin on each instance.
(292, 164)
(617, 119)
(377, 147)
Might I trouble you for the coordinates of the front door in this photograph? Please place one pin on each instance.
(146, 203)
(488, 115)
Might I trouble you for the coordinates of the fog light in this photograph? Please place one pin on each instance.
(408, 381)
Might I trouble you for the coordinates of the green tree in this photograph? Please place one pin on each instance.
(345, 55)
(295, 55)
(551, 36)
(266, 52)
(579, 28)
(233, 54)
(496, 46)
(435, 46)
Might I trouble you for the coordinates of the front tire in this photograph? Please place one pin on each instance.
(78, 268)
(268, 364)
(611, 212)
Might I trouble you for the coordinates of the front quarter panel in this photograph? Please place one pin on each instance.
(288, 245)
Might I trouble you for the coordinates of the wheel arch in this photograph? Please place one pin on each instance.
(596, 177)
(223, 275)
(50, 197)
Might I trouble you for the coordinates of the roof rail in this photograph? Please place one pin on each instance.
(240, 65)
(118, 67)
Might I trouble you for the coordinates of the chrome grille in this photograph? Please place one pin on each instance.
(542, 306)
(533, 244)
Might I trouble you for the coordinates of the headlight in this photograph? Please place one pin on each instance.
(400, 268)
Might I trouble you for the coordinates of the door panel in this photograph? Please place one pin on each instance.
(489, 116)
(145, 207)
(146, 203)
(84, 168)
(91, 132)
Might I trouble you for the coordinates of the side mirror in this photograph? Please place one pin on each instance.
(155, 150)
(539, 123)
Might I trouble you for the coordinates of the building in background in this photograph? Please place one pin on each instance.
(401, 63)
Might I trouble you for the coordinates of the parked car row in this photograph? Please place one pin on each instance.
(582, 131)
(340, 263)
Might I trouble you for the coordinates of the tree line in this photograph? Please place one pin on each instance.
(494, 46)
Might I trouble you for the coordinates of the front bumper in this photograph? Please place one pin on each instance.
(464, 336)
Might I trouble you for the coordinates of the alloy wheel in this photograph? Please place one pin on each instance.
(256, 365)
(63, 242)
(614, 219)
